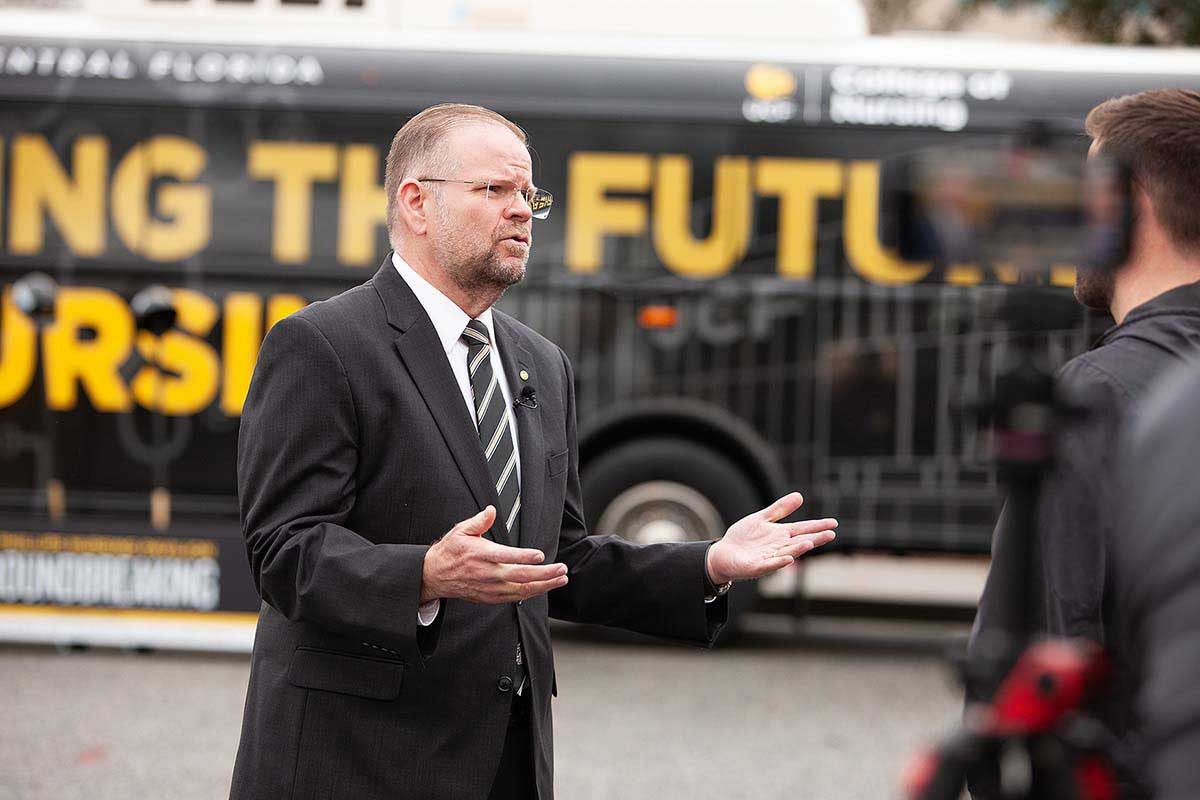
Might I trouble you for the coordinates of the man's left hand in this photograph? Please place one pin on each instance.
(759, 544)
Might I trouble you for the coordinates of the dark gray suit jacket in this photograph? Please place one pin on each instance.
(356, 452)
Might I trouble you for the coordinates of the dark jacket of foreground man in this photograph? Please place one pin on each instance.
(1071, 584)
(356, 452)
(1157, 586)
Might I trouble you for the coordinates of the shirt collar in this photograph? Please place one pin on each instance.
(1181, 297)
(1182, 300)
(448, 319)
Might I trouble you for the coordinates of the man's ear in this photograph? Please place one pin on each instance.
(1141, 206)
(411, 208)
(1144, 223)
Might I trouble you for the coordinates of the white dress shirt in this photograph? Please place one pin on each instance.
(449, 321)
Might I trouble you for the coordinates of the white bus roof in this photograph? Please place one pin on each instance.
(825, 31)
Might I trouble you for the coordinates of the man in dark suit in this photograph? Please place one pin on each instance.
(407, 470)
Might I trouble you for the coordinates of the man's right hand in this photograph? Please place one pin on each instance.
(463, 564)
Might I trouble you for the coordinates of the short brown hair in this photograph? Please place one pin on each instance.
(1157, 133)
(415, 145)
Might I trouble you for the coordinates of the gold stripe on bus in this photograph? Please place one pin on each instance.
(215, 617)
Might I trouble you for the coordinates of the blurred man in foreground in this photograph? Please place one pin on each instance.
(409, 488)
(1154, 299)
(1157, 584)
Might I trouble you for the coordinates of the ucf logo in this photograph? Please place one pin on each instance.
(771, 89)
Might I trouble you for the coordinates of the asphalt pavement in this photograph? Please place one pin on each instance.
(826, 710)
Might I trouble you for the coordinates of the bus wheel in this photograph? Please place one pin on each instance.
(669, 490)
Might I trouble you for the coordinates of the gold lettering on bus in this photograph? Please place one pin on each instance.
(964, 275)
(972, 275)
(183, 370)
(362, 205)
(283, 305)
(293, 167)
(860, 233)
(241, 338)
(798, 183)
(732, 202)
(17, 349)
(73, 198)
(1062, 275)
(92, 338)
(592, 214)
(187, 206)
(73, 361)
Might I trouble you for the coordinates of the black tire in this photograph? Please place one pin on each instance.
(678, 461)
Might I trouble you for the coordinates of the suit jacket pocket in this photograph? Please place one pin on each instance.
(344, 673)
(556, 464)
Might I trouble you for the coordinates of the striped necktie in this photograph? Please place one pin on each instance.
(495, 432)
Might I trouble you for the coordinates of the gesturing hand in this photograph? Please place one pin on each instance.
(465, 565)
(758, 544)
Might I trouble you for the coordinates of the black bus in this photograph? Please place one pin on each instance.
(712, 266)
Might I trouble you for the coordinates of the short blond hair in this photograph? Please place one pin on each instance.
(415, 146)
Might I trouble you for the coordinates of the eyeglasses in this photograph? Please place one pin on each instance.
(538, 200)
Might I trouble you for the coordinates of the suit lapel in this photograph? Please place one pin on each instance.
(421, 352)
(517, 363)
